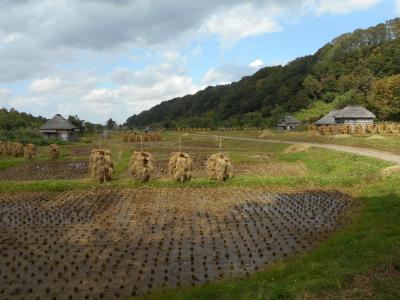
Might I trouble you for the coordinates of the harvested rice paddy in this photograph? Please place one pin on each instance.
(116, 244)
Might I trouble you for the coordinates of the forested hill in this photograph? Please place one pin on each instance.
(361, 67)
(13, 119)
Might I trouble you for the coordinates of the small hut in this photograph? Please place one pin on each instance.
(288, 123)
(354, 115)
(59, 128)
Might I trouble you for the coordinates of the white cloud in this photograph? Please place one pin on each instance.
(101, 96)
(257, 63)
(397, 4)
(341, 7)
(227, 73)
(5, 94)
(242, 21)
(44, 85)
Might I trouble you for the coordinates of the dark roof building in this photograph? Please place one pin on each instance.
(288, 123)
(328, 119)
(59, 128)
(352, 114)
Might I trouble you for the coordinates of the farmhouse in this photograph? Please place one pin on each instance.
(59, 128)
(351, 115)
(354, 115)
(288, 123)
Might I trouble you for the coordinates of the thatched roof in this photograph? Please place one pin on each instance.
(57, 123)
(354, 112)
(288, 120)
(328, 119)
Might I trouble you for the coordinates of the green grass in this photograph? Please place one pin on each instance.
(8, 162)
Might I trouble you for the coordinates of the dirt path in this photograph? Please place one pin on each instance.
(387, 156)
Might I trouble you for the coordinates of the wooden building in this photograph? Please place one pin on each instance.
(288, 123)
(59, 128)
(351, 115)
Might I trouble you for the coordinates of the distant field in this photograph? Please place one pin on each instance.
(385, 141)
(357, 261)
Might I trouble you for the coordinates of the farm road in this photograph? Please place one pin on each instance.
(383, 155)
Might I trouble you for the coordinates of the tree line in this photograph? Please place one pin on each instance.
(362, 67)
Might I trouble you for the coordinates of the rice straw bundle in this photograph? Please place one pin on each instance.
(370, 128)
(180, 166)
(30, 151)
(132, 137)
(359, 129)
(312, 127)
(379, 128)
(125, 137)
(101, 165)
(17, 150)
(3, 147)
(9, 148)
(54, 151)
(219, 167)
(140, 166)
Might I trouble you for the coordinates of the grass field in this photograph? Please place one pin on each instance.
(384, 141)
(359, 261)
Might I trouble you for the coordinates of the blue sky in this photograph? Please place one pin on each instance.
(101, 59)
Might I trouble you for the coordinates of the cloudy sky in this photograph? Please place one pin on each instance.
(113, 58)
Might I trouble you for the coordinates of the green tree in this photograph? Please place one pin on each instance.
(385, 97)
(111, 123)
(313, 86)
(77, 122)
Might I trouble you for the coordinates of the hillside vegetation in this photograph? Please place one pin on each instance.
(362, 67)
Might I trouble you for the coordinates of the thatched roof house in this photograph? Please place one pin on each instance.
(288, 123)
(352, 114)
(328, 119)
(59, 128)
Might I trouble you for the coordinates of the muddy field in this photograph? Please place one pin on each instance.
(258, 168)
(49, 169)
(114, 244)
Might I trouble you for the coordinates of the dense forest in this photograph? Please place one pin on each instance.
(362, 67)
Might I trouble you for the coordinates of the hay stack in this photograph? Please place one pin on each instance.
(379, 128)
(9, 148)
(266, 133)
(219, 167)
(17, 150)
(359, 129)
(29, 151)
(140, 166)
(54, 151)
(370, 128)
(3, 147)
(312, 127)
(180, 166)
(391, 170)
(297, 148)
(131, 137)
(101, 165)
(125, 137)
(333, 129)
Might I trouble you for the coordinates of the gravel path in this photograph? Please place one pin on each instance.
(383, 155)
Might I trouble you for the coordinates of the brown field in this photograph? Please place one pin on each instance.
(43, 170)
(111, 244)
